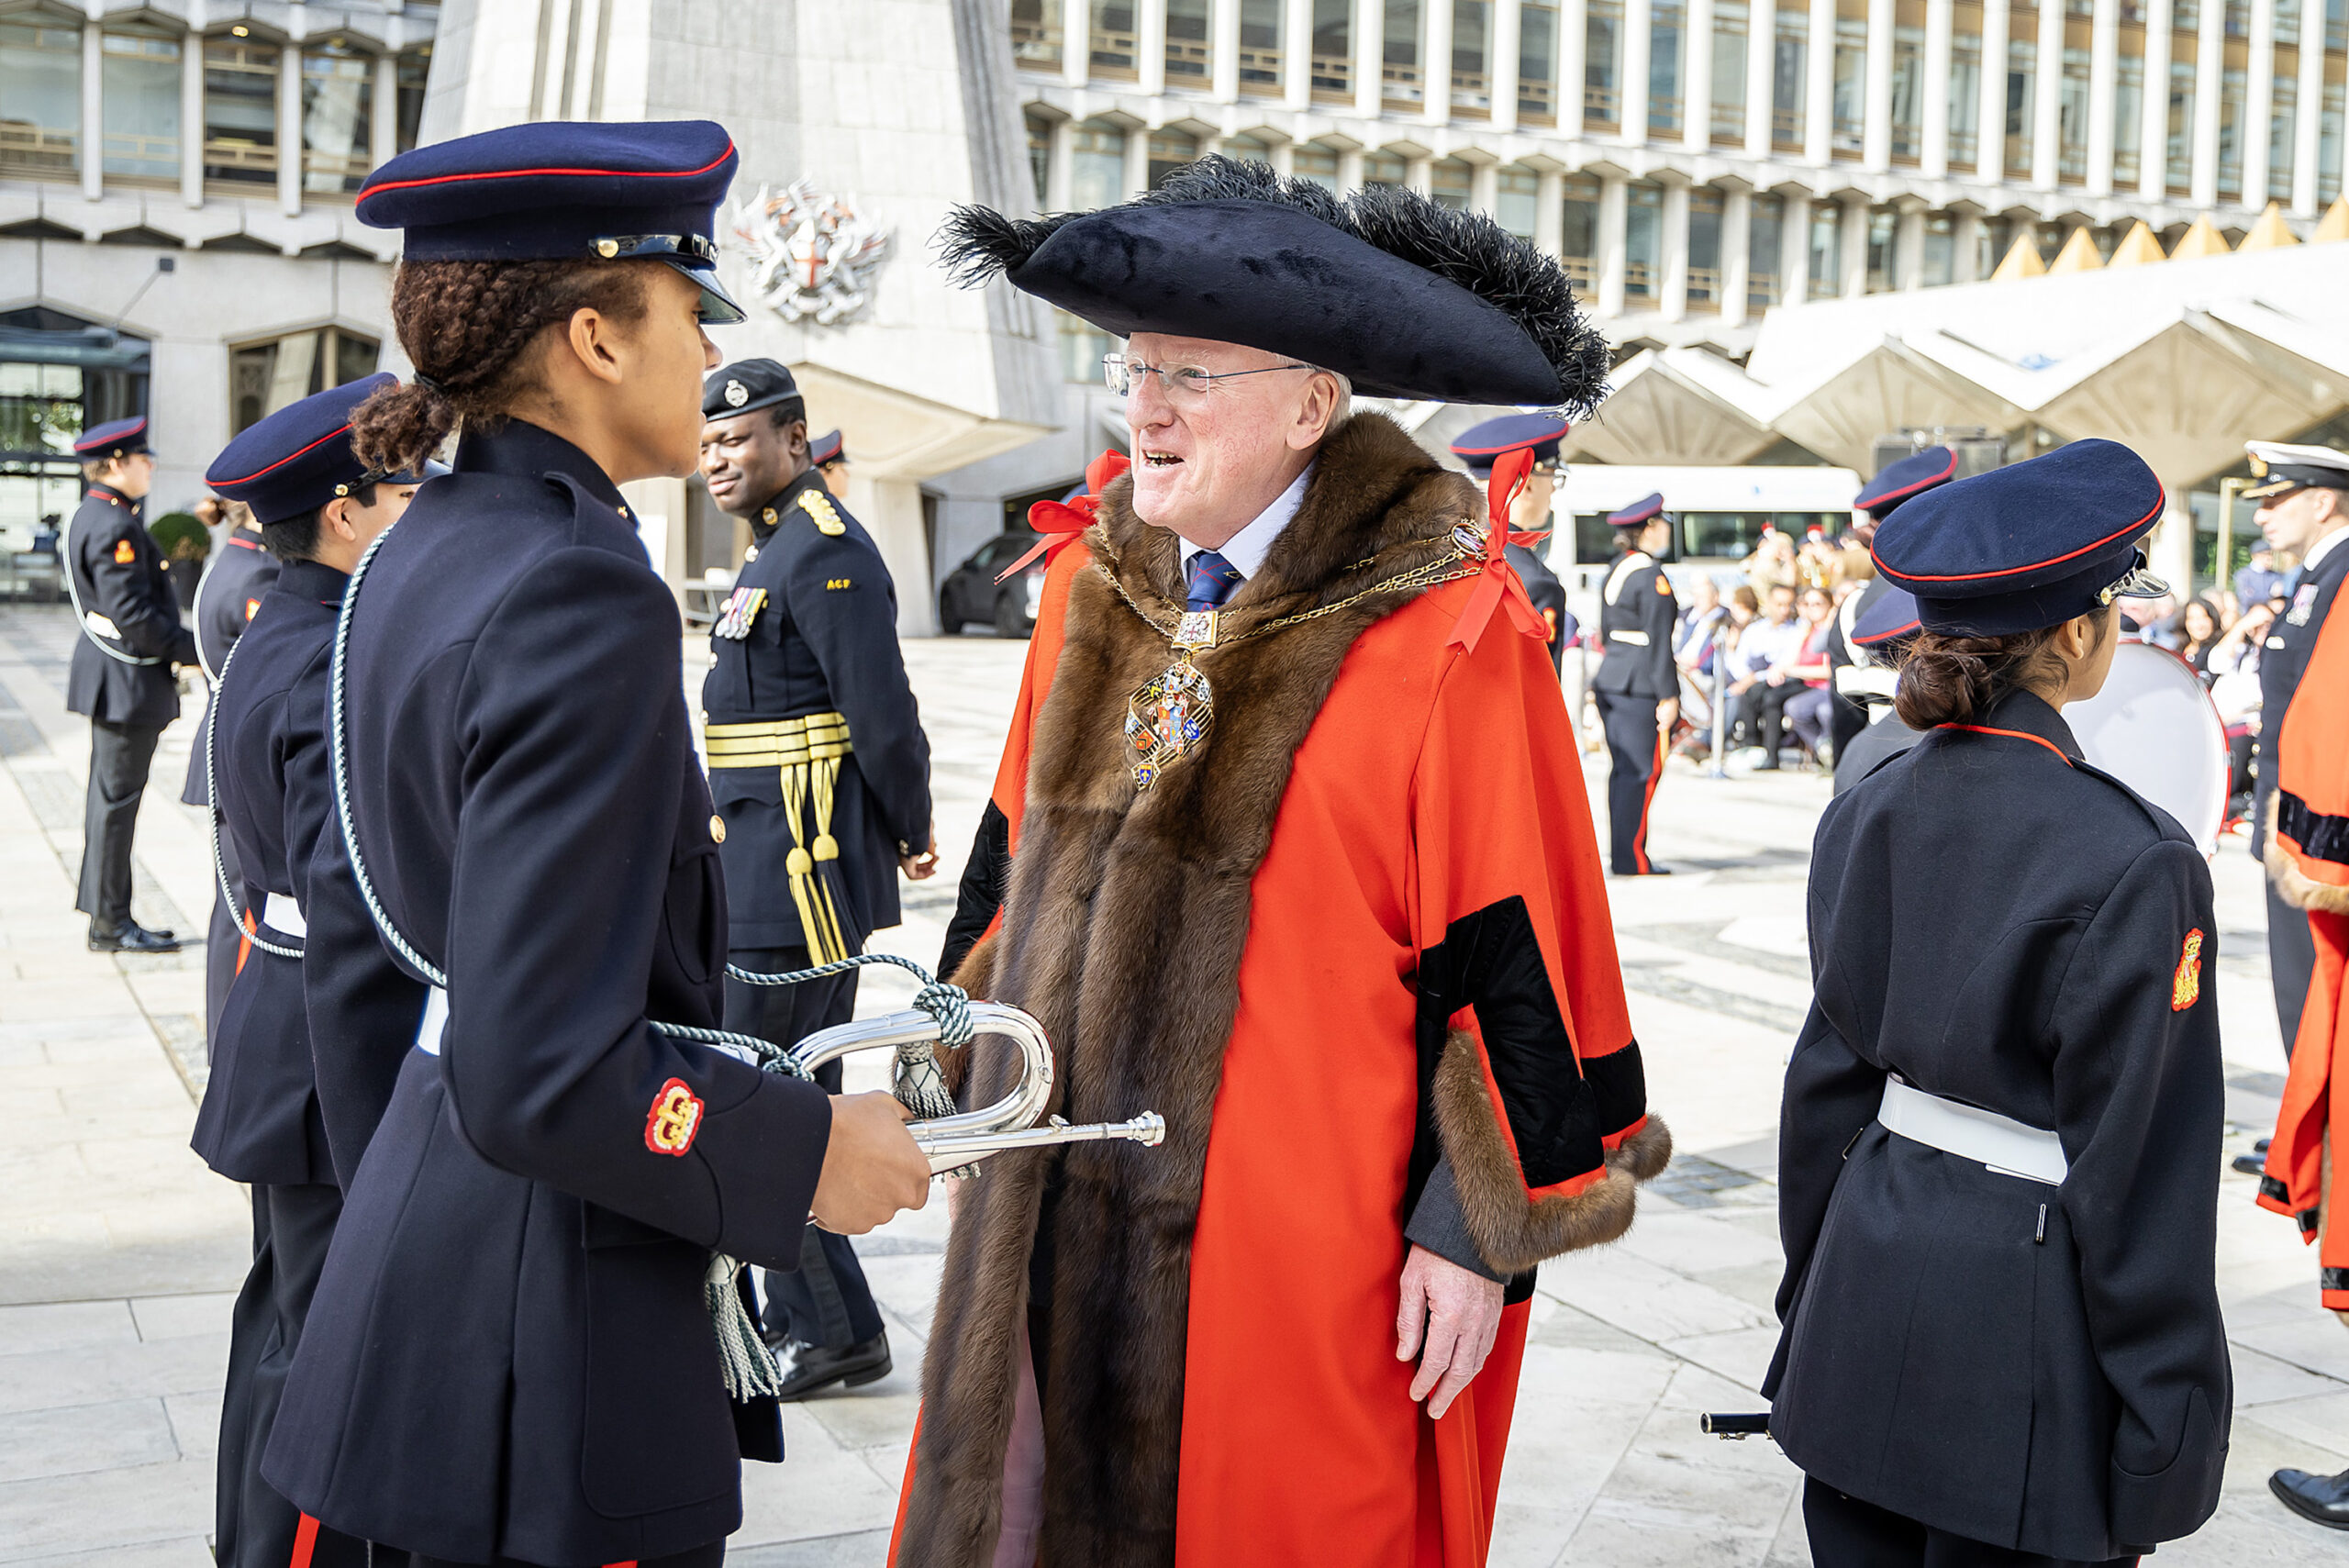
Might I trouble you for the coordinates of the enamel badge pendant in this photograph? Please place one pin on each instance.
(1170, 714)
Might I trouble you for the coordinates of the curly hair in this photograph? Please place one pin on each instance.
(468, 328)
(1955, 680)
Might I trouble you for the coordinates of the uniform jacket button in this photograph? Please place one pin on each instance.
(717, 828)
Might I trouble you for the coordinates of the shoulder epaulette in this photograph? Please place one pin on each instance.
(819, 509)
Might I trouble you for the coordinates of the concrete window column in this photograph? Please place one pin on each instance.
(1760, 55)
(2104, 70)
(93, 111)
(1137, 172)
(1549, 213)
(1503, 46)
(1851, 241)
(1818, 88)
(2209, 52)
(1696, 77)
(1418, 174)
(1484, 187)
(1435, 60)
(1370, 56)
(192, 118)
(1639, 42)
(1737, 248)
(1349, 170)
(1223, 42)
(1150, 47)
(1876, 129)
(1057, 195)
(2259, 97)
(1941, 22)
(1672, 297)
(1990, 133)
(2152, 131)
(1077, 42)
(1613, 249)
(2047, 95)
(1966, 239)
(289, 130)
(1281, 155)
(2305, 126)
(1297, 55)
(383, 111)
(1794, 252)
(1574, 48)
(1911, 247)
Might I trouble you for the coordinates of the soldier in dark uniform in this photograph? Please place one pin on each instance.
(831, 457)
(121, 677)
(514, 1352)
(1480, 446)
(1880, 640)
(2303, 495)
(232, 589)
(1999, 1150)
(1894, 483)
(264, 754)
(1638, 686)
(820, 774)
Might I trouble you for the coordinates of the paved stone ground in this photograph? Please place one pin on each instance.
(118, 1250)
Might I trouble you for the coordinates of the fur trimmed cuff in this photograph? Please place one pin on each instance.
(1512, 1229)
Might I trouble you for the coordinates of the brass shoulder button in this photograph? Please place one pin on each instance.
(717, 828)
(623, 511)
(766, 516)
(749, 554)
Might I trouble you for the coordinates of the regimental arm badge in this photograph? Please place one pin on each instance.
(675, 1117)
(742, 607)
(124, 552)
(2186, 986)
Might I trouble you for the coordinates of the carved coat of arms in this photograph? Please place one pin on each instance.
(817, 256)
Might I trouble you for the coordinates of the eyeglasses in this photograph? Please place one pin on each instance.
(1180, 382)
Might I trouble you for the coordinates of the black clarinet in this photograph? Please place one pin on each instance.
(1738, 1426)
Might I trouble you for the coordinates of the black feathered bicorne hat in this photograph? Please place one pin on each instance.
(1401, 295)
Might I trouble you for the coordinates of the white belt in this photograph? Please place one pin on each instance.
(435, 1022)
(1636, 639)
(2005, 1145)
(279, 912)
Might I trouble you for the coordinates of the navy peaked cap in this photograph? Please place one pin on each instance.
(299, 457)
(2279, 468)
(1643, 510)
(827, 447)
(2029, 545)
(555, 189)
(745, 386)
(1909, 477)
(1892, 613)
(1480, 446)
(117, 437)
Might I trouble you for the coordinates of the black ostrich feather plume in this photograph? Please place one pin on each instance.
(1463, 248)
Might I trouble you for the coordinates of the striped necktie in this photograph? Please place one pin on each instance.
(1213, 579)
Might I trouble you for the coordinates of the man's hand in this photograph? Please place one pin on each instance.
(1667, 714)
(923, 866)
(1456, 1315)
(872, 1169)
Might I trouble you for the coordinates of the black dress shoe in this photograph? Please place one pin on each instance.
(2250, 1164)
(2322, 1499)
(132, 937)
(807, 1368)
(2261, 1147)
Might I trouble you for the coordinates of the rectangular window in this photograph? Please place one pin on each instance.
(1940, 251)
(411, 72)
(1036, 34)
(1729, 39)
(1884, 250)
(338, 87)
(1908, 93)
(1826, 250)
(1083, 345)
(1333, 34)
(1472, 80)
(2128, 119)
(2072, 119)
(1704, 248)
(1400, 60)
(1260, 44)
(2280, 138)
(141, 71)
(1602, 63)
(1114, 47)
(2238, 18)
(2233, 86)
(2023, 57)
(239, 111)
(1517, 199)
(1578, 231)
(1765, 244)
(1040, 157)
(2184, 15)
(1450, 180)
(1384, 169)
(266, 377)
(2177, 150)
(1643, 241)
(1851, 83)
(1188, 53)
(1170, 151)
(1537, 65)
(1964, 100)
(1096, 166)
(1668, 24)
(41, 82)
(2336, 26)
(1318, 164)
(1789, 74)
(2288, 21)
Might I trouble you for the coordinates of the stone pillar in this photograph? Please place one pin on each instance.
(1297, 55)
(1504, 38)
(1794, 252)
(2172, 547)
(1910, 250)
(1483, 186)
(92, 148)
(1819, 89)
(1613, 254)
(1761, 49)
(383, 111)
(1077, 42)
(1550, 214)
(1990, 143)
(1574, 49)
(192, 119)
(1876, 122)
(2104, 70)
(1057, 193)
(1223, 42)
(1737, 252)
(2305, 140)
(1418, 174)
(1281, 155)
(2209, 48)
(1137, 170)
(2259, 97)
(1965, 239)
(1370, 56)
(2046, 100)
(289, 130)
(1696, 77)
(1638, 43)
(1435, 62)
(1150, 47)
(2152, 131)
(1932, 158)
(1349, 171)
(1851, 237)
(1672, 293)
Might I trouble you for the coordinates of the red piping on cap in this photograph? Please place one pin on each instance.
(1910, 489)
(1495, 451)
(2159, 501)
(137, 430)
(1888, 636)
(289, 457)
(529, 173)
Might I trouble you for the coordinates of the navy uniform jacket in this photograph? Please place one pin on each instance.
(2005, 926)
(823, 641)
(1549, 596)
(260, 1121)
(509, 1352)
(1636, 615)
(2283, 660)
(1885, 739)
(232, 589)
(127, 605)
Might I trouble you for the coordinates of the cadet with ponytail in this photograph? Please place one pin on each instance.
(1998, 1151)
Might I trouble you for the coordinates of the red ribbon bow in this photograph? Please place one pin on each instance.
(1497, 584)
(1062, 523)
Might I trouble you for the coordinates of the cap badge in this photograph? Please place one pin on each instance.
(817, 257)
(675, 1117)
(2258, 466)
(737, 394)
(2186, 986)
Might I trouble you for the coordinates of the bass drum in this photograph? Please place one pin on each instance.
(2155, 728)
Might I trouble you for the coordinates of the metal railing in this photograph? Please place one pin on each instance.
(338, 166)
(1760, 290)
(129, 147)
(1581, 271)
(1785, 129)
(1189, 56)
(1705, 290)
(1260, 70)
(1537, 103)
(1333, 76)
(1729, 122)
(1601, 104)
(1961, 149)
(1472, 92)
(35, 148)
(231, 159)
(1399, 83)
(1639, 281)
(1113, 53)
(1663, 114)
(1036, 45)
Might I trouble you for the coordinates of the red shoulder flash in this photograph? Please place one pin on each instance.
(124, 552)
(675, 1117)
(2186, 986)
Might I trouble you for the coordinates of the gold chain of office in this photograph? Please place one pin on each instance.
(1434, 573)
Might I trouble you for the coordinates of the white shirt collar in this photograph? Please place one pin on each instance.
(2317, 553)
(1247, 549)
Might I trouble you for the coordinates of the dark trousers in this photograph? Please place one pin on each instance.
(2291, 959)
(257, 1528)
(708, 1556)
(1848, 1533)
(1845, 719)
(1769, 710)
(120, 755)
(825, 1301)
(1636, 747)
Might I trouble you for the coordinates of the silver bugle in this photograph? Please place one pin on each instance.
(1011, 1122)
